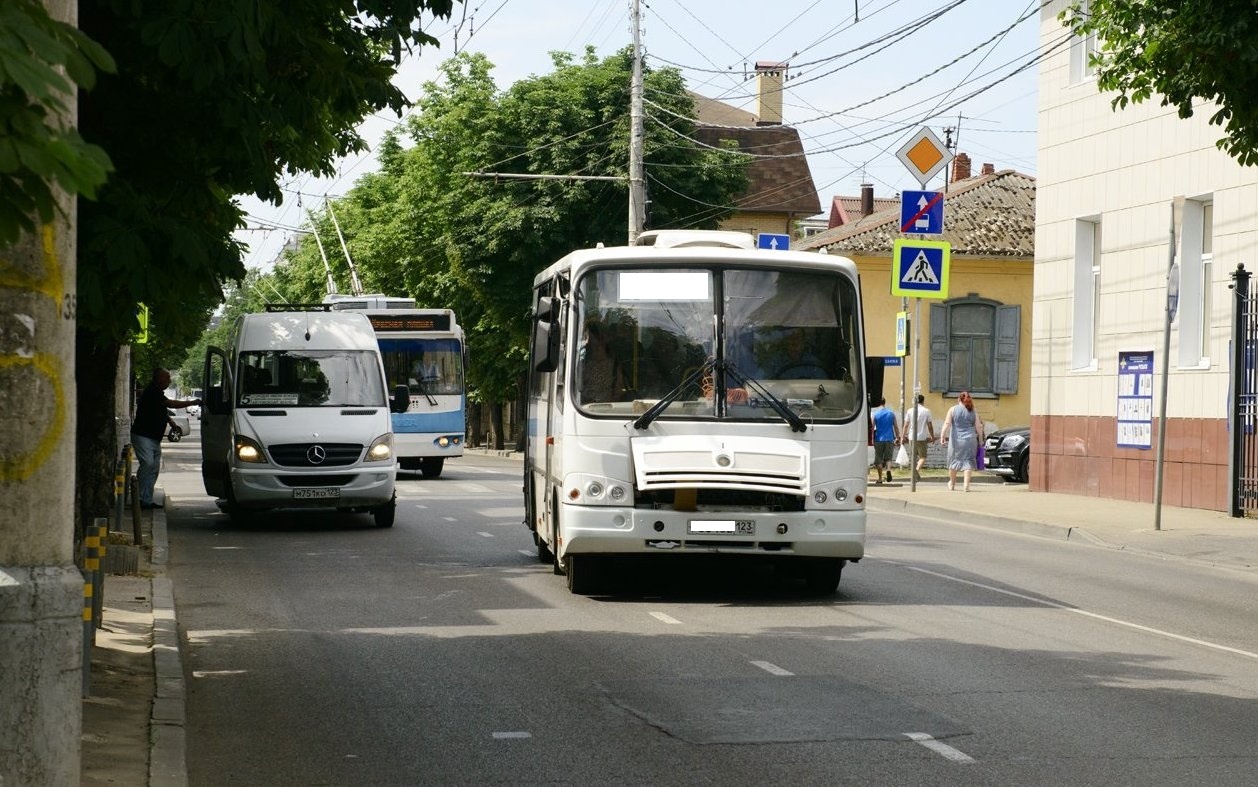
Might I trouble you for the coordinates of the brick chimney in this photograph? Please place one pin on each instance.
(989, 169)
(770, 79)
(960, 167)
(867, 199)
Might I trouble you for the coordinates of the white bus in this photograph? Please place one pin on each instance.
(424, 350)
(694, 395)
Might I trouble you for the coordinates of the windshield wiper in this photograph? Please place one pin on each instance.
(423, 388)
(650, 415)
(781, 408)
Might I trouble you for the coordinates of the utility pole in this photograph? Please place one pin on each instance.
(637, 181)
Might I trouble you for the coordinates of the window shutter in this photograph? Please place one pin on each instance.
(938, 347)
(1008, 333)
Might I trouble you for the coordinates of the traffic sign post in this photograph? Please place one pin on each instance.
(766, 240)
(921, 212)
(919, 268)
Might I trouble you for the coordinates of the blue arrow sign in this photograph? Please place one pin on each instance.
(919, 268)
(921, 212)
(766, 240)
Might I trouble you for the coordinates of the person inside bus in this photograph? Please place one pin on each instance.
(799, 360)
(600, 375)
(425, 372)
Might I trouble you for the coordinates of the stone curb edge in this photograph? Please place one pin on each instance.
(167, 735)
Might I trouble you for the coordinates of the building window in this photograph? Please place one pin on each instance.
(1082, 48)
(1087, 293)
(1196, 257)
(974, 346)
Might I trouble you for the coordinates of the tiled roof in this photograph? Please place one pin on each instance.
(844, 210)
(985, 216)
(780, 181)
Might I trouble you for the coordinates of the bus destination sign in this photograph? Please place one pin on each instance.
(409, 322)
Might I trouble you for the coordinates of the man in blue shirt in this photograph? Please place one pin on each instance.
(886, 435)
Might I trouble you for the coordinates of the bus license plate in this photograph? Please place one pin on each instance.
(738, 527)
(316, 494)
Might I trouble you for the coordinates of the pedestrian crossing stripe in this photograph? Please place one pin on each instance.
(919, 268)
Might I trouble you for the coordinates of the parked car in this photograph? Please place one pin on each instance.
(1007, 453)
(193, 411)
(181, 427)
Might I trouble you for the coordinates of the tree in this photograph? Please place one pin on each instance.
(473, 244)
(1186, 52)
(210, 100)
(41, 60)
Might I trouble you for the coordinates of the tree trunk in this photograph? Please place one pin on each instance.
(98, 444)
(496, 426)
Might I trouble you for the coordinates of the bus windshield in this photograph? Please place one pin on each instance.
(310, 378)
(424, 365)
(752, 335)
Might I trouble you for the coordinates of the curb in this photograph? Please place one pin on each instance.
(1023, 526)
(167, 733)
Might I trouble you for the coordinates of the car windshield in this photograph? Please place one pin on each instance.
(310, 378)
(680, 336)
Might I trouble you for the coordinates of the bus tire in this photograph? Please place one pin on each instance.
(822, 575)
(385, 515)
(431, 466)
(581, 570)
(544, 554)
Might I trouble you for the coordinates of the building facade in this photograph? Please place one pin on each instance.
(1121, 192)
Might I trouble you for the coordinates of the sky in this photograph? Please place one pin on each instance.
(864, 75)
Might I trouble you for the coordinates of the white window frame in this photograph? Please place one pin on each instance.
(1196, 273)
(1087, 294)
(1081, 50)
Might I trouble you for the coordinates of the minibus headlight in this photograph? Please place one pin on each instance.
(381, 449)
(248, 450)
(820, 496)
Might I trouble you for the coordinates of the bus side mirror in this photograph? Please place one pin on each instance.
(401, 399)
(545, 346)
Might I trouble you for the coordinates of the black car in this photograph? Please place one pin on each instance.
(1007, 452)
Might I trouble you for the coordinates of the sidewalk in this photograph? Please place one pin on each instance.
(133, 716)
(1210, 537)
(133, 721)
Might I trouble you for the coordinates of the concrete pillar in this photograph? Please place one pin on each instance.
(41, 589)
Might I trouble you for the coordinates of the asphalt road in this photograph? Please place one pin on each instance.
(321, 650)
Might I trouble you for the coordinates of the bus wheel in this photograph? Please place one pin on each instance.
(234, 511)
(581, 571)
(431, 466)
(544, 554)
(822, 575)
(385, 514)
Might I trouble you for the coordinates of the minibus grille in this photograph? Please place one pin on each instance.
(315, 480)
(315, 454)
(749, 481)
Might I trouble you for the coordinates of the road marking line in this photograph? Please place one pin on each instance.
(449, 519)
(214, 673)
(1095, 616)
(660, 616)
(526, 552)
(483, 533)
(939, 748)
(226, 547)
(504, 736)
(773, 669)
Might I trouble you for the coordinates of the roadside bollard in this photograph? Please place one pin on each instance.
(88, 632)
(91, 567)
(137, 529)
(101, 527)
(120, 490)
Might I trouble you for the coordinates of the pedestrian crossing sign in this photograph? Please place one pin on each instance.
(919, 268)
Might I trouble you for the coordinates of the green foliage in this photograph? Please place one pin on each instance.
(249, 295)
(422, 226)
(1188, 52)
(212, 100)
(38, 148)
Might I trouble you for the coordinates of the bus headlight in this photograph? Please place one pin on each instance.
(249, 450)
(591, 490)
(820, 497)
(447, 440)
(381, 449)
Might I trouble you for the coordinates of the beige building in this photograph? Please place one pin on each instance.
(1108, 183)
(978, 338)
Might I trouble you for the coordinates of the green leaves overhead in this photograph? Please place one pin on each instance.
(39, 147)
(1188, 52)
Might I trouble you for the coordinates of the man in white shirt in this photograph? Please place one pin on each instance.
(920, 427)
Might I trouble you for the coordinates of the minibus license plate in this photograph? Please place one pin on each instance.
(738, 527)
(317, 493)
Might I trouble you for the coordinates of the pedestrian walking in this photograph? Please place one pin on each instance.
(962, 433)
(920, 428)
(886, 435)
(147, 429)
